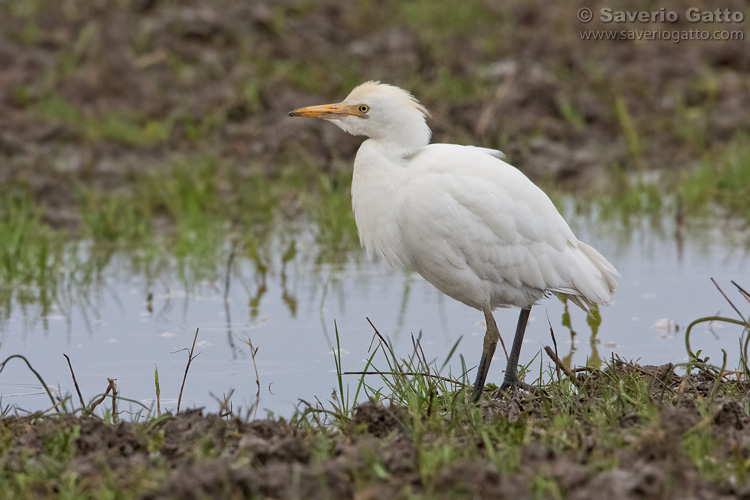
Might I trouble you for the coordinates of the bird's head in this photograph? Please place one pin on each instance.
(379, 111)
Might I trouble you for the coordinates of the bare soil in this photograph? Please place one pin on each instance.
(192, 455)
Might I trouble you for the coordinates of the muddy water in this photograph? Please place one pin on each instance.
(129, 324)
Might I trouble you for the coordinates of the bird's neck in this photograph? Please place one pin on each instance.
(379, 174)
(403, 136)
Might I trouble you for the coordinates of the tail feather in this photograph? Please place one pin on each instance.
(609, 273)
(594, 282)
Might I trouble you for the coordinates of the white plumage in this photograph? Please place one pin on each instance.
(469, 223)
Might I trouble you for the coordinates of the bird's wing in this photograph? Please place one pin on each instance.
(488, 151)
(467, 212)
(492, 152)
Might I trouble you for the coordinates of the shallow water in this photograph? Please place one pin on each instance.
(128, 324)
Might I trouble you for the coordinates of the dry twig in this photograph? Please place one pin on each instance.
(560, 365)
(743, 292)
(75, 382)
(114, 399)
(101, 399)
(727, 299)
(253, 352)
(554, 342)
(225, 405)
(187, 367)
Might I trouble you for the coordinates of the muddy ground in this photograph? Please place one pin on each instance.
(98, 92)
(376, 453)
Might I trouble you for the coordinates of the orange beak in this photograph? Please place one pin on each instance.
(327, 111)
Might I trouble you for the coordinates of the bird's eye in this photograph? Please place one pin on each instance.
(364, 108)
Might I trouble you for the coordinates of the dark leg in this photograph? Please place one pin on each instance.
(511, 382)
(490, 343)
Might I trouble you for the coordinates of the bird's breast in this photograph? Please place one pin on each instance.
(377, 201)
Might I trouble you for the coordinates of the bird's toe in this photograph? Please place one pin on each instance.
(510, 387)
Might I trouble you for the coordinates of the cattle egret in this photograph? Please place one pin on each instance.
(472, 225)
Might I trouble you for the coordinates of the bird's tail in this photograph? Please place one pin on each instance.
(605, 280)
(609, 273)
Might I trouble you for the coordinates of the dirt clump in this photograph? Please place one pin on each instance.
(379, 420)
(388, 451)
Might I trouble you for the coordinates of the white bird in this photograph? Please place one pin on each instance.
(472, 225)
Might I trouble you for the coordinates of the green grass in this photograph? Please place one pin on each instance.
(191, 208)
(717, 187)
(604, 416)
(187, 211)
(722, 180)
(117, 125)
(31, 256)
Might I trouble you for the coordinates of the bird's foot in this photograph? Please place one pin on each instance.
(511, 386)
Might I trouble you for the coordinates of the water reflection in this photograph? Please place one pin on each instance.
(118, 317)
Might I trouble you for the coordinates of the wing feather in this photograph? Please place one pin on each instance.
(475, 225)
